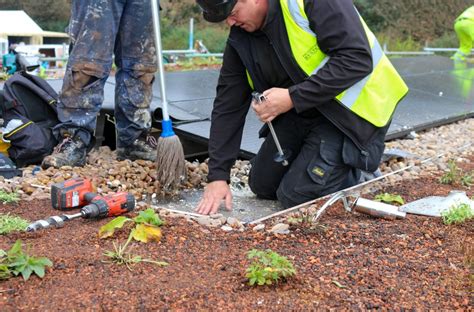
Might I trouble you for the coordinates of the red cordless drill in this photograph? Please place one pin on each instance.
(99, 207)
(71, 193)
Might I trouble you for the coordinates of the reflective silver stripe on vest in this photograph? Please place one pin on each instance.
(298, 18)
(303, 22)
(323, 62)
(353, 92)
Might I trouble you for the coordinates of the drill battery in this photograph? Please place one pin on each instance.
(71, 193)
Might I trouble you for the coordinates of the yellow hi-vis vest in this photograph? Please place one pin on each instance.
(375, 97)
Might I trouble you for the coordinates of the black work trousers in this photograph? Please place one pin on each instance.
(315, 167)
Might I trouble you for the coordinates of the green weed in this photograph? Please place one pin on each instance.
(457, 214)
(122, 257)
(456, 175)
(10, 224)
(9, 198)
(467, 180)
(452, 174)
(147, 226)
(268, 267)
(15, 262)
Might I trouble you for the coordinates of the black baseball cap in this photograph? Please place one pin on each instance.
(216, 11)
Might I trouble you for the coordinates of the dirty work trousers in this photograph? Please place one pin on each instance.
(465, 31)
(316, 166)
(98, 30)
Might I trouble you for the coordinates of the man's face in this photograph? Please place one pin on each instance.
(248, 14)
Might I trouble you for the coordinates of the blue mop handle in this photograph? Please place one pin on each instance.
(167, 128)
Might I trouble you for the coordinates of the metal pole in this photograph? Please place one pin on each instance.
(159, 55)
(191, 33)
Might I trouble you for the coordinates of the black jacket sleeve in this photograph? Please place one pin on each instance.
(340, 36)
(228, 116)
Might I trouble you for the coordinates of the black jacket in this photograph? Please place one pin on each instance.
(341, 36)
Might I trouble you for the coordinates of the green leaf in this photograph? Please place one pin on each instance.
(26, 272)
(108, 229)
(390, 198)
(4, 272)
(144, 233)
(43, 261)
(38, 269)
(338, 284)
(148, 216)
(15, 250)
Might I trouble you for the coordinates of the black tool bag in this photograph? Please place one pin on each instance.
(29, 113)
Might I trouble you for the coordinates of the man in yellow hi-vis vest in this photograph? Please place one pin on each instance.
(464, 27)
(330, 93)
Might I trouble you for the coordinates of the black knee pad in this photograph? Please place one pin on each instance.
(285, 201)
(260, 188)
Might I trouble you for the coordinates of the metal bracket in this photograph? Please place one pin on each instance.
(349, 199)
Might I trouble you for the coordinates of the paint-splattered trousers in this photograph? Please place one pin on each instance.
(102, 31)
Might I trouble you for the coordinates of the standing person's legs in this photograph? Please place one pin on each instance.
(92, 29)
(135, 57)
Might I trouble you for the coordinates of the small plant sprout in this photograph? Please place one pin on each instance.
(467, 180)
(10, 224)
(268, 267)
(15, 262)
(452, 174)
(457, 213)
(9, 198)
(120, 256)
(147, 226)
(390, 198)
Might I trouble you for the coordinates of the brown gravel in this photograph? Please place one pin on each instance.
(352, 262)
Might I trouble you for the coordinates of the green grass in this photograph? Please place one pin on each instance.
(398, 44)
(8, 198)
(457, 214)
(10, 224)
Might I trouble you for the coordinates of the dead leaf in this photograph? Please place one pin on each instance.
(144, 232)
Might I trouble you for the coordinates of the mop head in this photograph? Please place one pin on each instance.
(170, 162)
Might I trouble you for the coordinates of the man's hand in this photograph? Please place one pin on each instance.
(214, 193)
(278, 102)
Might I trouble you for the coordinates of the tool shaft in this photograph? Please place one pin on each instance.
(259, 98)
(277, 142)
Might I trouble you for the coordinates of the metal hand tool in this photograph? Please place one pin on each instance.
(282, 155)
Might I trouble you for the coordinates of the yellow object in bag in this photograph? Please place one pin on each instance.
(3, 145)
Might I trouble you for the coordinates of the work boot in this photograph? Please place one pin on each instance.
(459, 56)
(142, 148)
(70, 152)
